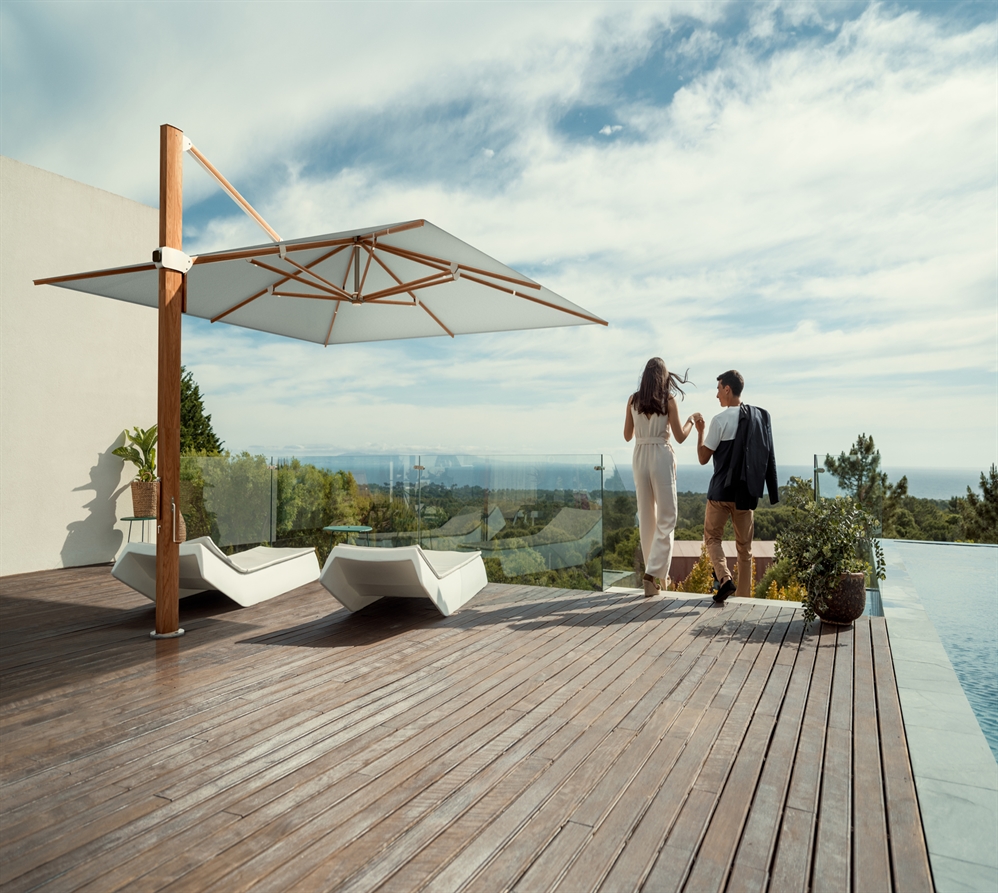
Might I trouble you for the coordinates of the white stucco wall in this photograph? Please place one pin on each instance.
(75, 370)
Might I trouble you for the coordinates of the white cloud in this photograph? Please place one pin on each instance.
(817, 211)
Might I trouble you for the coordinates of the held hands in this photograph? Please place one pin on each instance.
(698, 421)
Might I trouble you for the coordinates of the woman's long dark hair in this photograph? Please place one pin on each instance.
(657, 384)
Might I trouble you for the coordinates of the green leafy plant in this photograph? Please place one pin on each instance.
(142, 452)
(825, 540)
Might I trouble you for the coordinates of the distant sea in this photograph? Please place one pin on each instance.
(556, 472)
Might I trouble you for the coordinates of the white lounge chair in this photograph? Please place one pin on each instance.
(357, 576)
(247, 578)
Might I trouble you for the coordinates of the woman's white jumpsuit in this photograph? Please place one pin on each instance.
(654, 465)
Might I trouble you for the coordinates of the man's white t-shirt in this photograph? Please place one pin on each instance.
(723, 427)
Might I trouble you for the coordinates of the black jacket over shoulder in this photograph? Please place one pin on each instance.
(752, 467)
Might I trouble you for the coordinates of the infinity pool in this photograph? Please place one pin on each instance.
(958, 587)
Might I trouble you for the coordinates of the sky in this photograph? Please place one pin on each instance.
(805, 192)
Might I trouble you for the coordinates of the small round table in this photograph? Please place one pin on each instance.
(143, 519)
(351, 529)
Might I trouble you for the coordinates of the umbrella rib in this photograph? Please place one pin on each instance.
(242, 253)
(298, 278)
(367, 266)
(94, 274)
(418, 302)
(295, 294)
(391, 273)
(430, 260)
(260, 294)
(329, 334)
(298, 294)
(415, 284)
(335, 288)
(516, 294)
(425, 260)
(346, 275)
(434, 317)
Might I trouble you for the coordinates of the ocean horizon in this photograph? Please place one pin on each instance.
(556, 472)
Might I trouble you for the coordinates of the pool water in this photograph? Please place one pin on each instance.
(958, 587)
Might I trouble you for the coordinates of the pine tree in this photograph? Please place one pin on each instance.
(859, 473)
(196, 434)
(981, 513)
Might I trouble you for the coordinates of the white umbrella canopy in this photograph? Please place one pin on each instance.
(405, 280)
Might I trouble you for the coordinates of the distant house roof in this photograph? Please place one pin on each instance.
(691, 549)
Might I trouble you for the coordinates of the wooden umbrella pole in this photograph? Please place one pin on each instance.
(171, 154)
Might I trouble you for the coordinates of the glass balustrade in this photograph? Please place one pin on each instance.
(538, 520)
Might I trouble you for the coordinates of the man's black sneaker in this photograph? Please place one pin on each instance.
(727, 588)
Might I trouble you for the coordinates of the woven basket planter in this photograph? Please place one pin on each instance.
(145, 499)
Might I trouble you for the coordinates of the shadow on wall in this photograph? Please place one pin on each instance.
(94, 540)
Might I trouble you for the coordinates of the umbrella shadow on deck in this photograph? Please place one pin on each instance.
(385, 619)
(51, 643)
(390, 618)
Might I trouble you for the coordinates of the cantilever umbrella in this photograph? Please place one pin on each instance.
(404, 280)
(407, 280)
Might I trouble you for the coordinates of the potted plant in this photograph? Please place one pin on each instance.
(824, 546)
(142, 454)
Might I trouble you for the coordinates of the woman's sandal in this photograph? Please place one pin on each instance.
(651, 586)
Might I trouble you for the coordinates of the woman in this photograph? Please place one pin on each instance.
(651, 412)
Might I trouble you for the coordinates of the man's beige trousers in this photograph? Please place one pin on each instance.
(713, 530)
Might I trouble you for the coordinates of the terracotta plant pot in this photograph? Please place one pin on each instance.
(145, 498)
(846, 602)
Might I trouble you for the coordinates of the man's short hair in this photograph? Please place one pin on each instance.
(733, 380)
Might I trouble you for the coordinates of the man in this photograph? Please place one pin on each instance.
(740, 441)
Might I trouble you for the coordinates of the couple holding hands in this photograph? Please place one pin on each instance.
(740, 441)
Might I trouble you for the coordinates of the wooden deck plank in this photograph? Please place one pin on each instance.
(833, 852)
(687, 821)
(566, 647)
(613, 827)
(715, 844)
(871, 865)
(201, 732)
(792, 864)
(537, 739)
(750, 868)
(411, 752)
(486, 845)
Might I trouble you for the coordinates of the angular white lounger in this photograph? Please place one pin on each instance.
(247, 578)
(357, 576)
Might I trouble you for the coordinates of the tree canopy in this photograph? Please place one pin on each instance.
(859, 472)
(980, 513)
(196, 433)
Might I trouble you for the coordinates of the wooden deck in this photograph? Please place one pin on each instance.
(538, 739)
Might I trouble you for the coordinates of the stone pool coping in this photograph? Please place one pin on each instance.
(956, 775)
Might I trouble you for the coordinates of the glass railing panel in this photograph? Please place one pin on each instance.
(377, 495)
(620, 528)
(536, 519)
(232, 499)
(545, 521)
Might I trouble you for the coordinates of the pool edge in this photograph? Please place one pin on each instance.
(955, 772)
